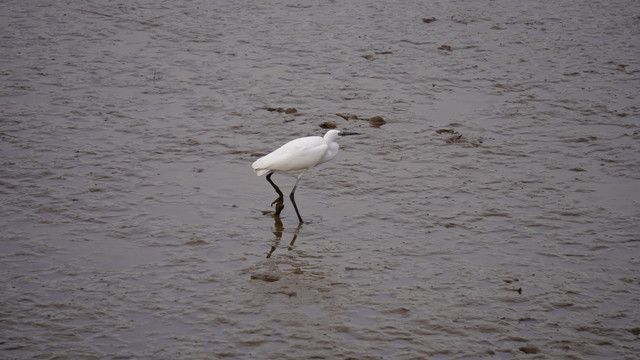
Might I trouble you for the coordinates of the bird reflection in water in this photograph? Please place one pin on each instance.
(278, 230)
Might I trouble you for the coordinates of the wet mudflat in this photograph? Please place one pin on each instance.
(492, 213)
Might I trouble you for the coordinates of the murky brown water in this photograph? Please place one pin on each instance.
(495, 215)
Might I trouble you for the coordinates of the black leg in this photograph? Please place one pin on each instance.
(293, 200)
(280, 200)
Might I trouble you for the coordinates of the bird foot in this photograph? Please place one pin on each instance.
(279, 207)
(279, 202)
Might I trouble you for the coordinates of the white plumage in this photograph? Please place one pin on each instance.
(296, 157)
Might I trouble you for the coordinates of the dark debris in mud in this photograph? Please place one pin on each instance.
(454, 137)
(372, 57)
(328, 125)
(583, 139)
(281, 110)
(286, 293)
(265, 277)
(374, 121)
(529, 349)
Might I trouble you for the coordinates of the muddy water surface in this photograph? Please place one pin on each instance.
(494, 215)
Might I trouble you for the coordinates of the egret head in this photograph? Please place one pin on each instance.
(332, 135)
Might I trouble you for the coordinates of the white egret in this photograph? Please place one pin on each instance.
(295, 158)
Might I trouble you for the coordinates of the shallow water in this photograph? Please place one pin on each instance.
(494, 215)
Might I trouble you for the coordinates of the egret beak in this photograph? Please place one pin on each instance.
(345, 133)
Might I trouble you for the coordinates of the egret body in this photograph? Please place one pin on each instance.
(295, 158)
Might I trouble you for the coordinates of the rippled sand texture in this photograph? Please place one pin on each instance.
(494, 215)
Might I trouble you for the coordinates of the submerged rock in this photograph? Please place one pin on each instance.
(328, 125)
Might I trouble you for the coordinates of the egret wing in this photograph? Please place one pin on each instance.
(293, 157)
